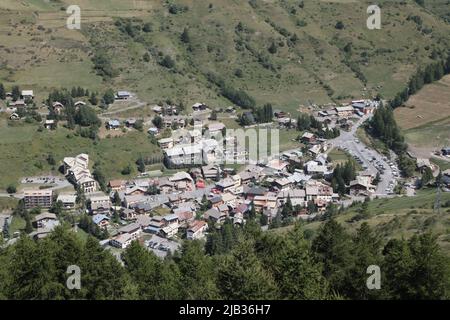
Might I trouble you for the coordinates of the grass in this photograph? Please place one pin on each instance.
(7, 204)
(302, 73)
(24, 151)
(397, 218)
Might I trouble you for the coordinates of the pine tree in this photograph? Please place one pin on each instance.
(197, 273)
(2, 92)
(242, 276)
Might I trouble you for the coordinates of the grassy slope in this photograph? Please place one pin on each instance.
(61, 57)
(400, 217)
(24, 150)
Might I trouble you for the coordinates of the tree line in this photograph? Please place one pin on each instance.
(253, 265)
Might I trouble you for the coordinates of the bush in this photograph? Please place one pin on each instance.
(11, 189)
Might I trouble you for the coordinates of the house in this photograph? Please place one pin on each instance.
(211, 172)
(196, 230)
(117, 185)
(46, 219)
(315, 150)
(252, 192)
(50, 124)
(422, 164)
(277, 165)
(216, 201)
(267, 201)
(215, 215)
(18, 104)
(344, 112)
(216, 127)
(27, 94)
(170, 219)
(282, 183)
(170, 230)
(308, 137)
(101, 220)
(133, 229)
(121, 241)
(297, 197)
(113, 124)
(199, 106)
(38, 198)
(100, 204)
(123, 95)
(166, 143)
(315, 168)
(130, 122)
(225, 185)
(362, 186)
(68, 200)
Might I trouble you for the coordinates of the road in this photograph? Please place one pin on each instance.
(371, 160)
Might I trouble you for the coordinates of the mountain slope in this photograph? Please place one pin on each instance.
(288, 52)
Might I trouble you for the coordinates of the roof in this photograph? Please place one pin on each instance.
(27, 93)
(123, 93)
(130, 228)
(99, 218)
(67, 198)
(197, 225)
(45, 215)
(114, 122)
(344, 109)
(170, 217)
(215, 126)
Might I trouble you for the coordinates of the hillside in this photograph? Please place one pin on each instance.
(288, 52)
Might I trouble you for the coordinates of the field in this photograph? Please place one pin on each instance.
(309, 65)
(425, 118)
(24, 151)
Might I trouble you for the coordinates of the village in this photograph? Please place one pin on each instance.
(212, 184)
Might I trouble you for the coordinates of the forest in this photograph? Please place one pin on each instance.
(246, 264)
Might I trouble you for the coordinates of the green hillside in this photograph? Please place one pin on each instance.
(288, 52)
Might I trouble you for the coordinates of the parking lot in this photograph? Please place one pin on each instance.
(369, 159)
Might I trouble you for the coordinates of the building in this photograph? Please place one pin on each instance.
(101, 220)
(77, 171)
(45, 220)
(166, 143)
(38, 198)
(68, 200)
(113, 124)
(121, 241)
(308, 137)
(196, 230)
(123, 95)
(133, 229)
(100, 204)
(27, 94)
(50, 124)
(345, 112)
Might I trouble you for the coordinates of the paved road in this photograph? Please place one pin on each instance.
(370, 158)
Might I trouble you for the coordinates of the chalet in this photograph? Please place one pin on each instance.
(166, 143)
(123, 95)
(308, 137)
(196, 230)
(101, 220)
(27, 94)
(216, 201)
(100, 204)
(421, 164)
(252, 192)
(170, 219)
(316, 168)
(170, 230)
(116, 185)
(267, 201)
(143, 221)
(18, 104)
(225, 185)
(44, 220)
(68, 200)
(362, 186)
(133, 229)
(128, 214)
(113, 124)
(215, 215)
(130, 122)
(121, 241)
(282, 183)
(297, 197)
(211, 171)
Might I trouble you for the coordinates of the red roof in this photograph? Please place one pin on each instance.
(200, 184)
